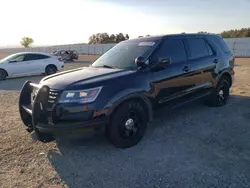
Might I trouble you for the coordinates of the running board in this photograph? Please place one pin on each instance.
(191, 100)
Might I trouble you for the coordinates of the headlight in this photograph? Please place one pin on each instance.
(80, 96)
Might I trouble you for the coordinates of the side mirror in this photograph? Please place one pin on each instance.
(140, 61)
(12, 61)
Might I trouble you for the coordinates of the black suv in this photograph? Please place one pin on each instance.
(119, 91)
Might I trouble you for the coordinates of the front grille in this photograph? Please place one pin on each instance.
(53, 98)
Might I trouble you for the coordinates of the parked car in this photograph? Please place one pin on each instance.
(120, 90)
(26, 63)
(67, 55)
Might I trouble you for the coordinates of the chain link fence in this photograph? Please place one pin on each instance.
(239, 46)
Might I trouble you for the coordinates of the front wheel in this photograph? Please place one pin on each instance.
(128, 125)
(220, 94)
(3, 74)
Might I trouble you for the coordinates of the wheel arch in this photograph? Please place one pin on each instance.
(144, 101)
(5, 71)
(51, 65)
(228, 76)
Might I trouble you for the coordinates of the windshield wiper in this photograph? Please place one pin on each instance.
(106, 66)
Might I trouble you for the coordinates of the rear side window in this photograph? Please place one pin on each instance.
(198, 48)
(32, 57)
(222, 44)
(40, 56)
(174, 49)
(209, 49)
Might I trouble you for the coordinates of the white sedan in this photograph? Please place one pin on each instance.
(26, 63)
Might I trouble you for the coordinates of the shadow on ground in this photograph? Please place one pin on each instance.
(192, 146)
(16, 83)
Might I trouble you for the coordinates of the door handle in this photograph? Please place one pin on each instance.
(215, 61)
(186, 69)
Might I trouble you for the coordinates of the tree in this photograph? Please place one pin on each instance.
(26, 41)
(112, 38)
(126, 36)
(236, 33)
(104, 38)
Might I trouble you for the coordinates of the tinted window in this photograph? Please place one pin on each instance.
(31, 57)
(174, 49)
(198, 48)
(222, 44)
(210, 51)
(18, 58)
(40, 56)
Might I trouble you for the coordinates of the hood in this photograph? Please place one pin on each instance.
(82, 76)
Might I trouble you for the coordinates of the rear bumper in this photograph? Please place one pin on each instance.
(38, 114)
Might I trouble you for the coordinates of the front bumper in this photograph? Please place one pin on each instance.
(37, 113)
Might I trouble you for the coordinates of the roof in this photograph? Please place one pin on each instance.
(19, 53)
(159, 37)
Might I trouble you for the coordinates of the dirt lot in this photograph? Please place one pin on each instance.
(194, 146)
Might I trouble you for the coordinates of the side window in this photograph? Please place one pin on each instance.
(210, 51)
(18, 58)
(174, 49)
(40, 56)
(197, 48)
(222, 44)
(31, 57)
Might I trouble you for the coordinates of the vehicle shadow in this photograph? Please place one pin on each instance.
(16, 83)
(191, 146)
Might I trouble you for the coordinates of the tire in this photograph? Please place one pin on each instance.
(220, 94)
(50, 69)
(42, 137)
(128, 125)
(3, 74)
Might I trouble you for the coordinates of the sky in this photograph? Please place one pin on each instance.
(52, 22)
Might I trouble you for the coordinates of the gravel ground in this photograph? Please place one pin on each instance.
(192, 146)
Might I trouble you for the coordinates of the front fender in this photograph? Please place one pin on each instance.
(124, 96)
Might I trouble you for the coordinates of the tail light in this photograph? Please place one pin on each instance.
(60, 59)
(233, 65)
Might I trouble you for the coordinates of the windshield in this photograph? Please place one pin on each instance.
(10, 57)
(123, 55)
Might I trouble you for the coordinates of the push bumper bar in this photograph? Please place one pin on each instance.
(38, 115)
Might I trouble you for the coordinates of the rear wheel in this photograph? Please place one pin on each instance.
(3, 74)
(220, 94)
(50, 69)
(128, 125)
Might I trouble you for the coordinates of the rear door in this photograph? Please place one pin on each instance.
(176, 79)
(202, 61)
(37, 62)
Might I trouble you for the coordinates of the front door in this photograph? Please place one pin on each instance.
(177, 79)
(18, 65)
